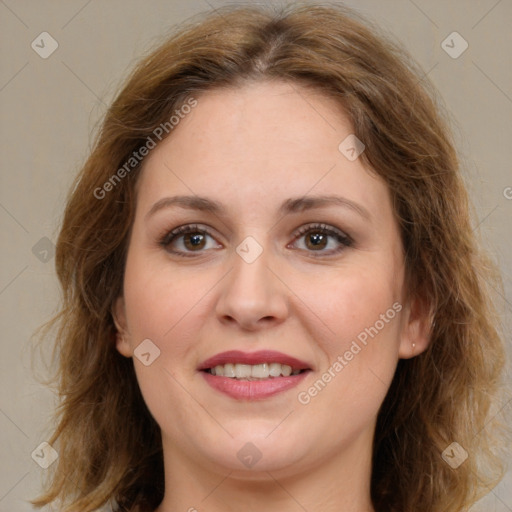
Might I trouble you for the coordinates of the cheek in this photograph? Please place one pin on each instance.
(348, 391)
(354, 301)
(155, 297)
(168, 307)
(361, 309)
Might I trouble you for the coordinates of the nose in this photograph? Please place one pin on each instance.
(253, 295)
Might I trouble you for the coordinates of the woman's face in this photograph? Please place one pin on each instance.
(299, 265)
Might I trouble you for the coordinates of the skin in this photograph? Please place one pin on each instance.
(252, 148)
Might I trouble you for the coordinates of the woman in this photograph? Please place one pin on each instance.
(273, 299)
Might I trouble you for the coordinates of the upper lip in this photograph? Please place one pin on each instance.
(252, 358)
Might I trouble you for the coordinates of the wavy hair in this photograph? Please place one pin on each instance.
(109, 445)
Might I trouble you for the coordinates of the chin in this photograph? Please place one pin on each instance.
(251, 457)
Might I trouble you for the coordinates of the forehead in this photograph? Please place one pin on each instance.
(284, 119)
(254, 145)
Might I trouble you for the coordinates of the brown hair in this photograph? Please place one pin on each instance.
(109, 444)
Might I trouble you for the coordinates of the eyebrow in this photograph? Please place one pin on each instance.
(292, 205)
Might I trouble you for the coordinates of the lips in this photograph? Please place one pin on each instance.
(248, 389)
(253, 358)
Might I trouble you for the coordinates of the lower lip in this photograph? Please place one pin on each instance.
(253, 389)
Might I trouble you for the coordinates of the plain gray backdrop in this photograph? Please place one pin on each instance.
(50, 107)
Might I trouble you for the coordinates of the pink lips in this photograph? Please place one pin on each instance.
(257, 389)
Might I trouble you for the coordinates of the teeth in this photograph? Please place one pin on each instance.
(261, 371)
(253, 372)
(286, 370)
(242, 371)
(229, 370)
(275, 369)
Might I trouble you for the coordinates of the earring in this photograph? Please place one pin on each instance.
(413, 346)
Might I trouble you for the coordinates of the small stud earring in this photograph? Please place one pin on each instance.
(413, 346)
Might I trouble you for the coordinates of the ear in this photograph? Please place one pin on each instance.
(122, 335)
(416, 328)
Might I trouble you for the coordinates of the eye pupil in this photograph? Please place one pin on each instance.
(196, 240)
(317, 239)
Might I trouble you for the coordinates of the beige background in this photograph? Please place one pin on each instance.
(49, 108)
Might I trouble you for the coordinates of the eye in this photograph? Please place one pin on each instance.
(191, 238)
(187, 239)
(318, 237)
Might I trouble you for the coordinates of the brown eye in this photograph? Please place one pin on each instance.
(188, 239)
(317, 240)
(194, 241)
(319, 236)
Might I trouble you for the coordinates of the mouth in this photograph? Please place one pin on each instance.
(253, 376)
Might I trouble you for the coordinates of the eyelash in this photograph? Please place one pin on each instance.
(324, 229)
